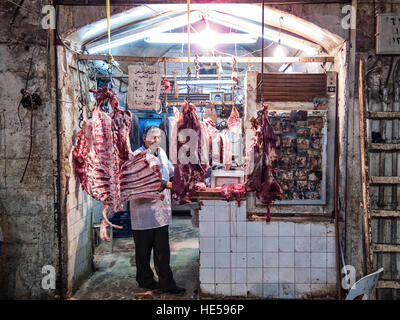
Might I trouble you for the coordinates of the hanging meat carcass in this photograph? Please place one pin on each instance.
(106, 166)
(260, 176)
(190, 168)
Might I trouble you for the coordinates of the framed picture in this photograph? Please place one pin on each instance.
(228, 97)
(217, 96)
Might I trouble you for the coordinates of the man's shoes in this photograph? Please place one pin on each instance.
(151, 286)
(175, 290)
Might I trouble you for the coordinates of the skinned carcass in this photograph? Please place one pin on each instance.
(260, 176)
(106, 166)
(190, 167)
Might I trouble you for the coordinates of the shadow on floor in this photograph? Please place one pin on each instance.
(115, 274)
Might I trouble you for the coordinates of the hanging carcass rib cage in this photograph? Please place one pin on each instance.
(106, 166)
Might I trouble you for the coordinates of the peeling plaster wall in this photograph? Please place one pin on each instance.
(77, 206)
(27, 215)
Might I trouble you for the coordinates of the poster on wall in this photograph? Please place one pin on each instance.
(301, 147)
(144, 87)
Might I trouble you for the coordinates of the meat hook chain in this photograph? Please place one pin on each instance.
(197, 66)
(80, 103)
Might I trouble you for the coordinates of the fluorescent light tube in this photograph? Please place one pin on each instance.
(199, 38)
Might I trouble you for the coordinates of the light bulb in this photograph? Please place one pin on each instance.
(208, 38)
(279, 52)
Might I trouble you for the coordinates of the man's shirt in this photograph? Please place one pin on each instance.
(153, 213)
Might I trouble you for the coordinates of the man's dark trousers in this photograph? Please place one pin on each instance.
(158, 240)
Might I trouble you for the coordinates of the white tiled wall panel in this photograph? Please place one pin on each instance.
(276, 260)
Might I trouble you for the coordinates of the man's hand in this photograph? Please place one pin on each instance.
(166, 185)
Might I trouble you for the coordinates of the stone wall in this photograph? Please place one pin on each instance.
(27, 208)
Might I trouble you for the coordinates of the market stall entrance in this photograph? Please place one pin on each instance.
(309, 46)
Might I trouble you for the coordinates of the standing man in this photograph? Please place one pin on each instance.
(150, 219)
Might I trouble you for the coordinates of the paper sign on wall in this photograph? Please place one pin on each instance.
(144, 87)
(388, 33)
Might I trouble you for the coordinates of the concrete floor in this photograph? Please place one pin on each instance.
(115, 274)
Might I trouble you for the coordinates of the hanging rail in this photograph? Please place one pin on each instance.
(211, 59)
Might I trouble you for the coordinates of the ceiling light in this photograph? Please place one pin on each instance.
(141, 33)
(204, 38)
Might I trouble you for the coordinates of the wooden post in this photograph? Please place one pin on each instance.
(363, 165)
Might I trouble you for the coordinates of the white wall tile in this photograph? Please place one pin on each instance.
(254, 260)
(286, 291)
(239, 289)
(318, 259)
(271, 229)
(206, 229)
(286, 259)
(206, 244)
(302, 275)
(241, 229)
(286, 275)
(222, 229)
(286, 229)
(302, 229)
(302, 244)
(206, 213)
(241, 244)
(270, 259)
(208, 203)
(271, 290)
(207, 260)
(254, 275)
(302, 259)
(239, 275)
(318, 287)
(331, 260)
(318, 244)
(286, 244)
(207, 288)
(221, 203)
(330, 230)
(255, 289)
(318, 230)
(222, 260)
(254, 229)
(318, 275)
(223, 244)
(241, 213)
(331, 275)
(221, 213)
(271, 275)
(207, 275)
(302, 291)
(270, 244)
(254, 244)
(223, 289)
(330, 244)
(239, 260)
(223, 275)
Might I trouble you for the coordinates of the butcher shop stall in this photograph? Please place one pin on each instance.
(251, 104)
(254, 146)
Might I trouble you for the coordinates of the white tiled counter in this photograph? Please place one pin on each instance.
(258, 259)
